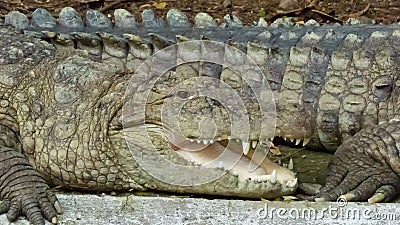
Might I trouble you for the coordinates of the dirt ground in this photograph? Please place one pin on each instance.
(325, 11)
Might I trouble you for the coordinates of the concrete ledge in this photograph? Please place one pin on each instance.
(92, 209)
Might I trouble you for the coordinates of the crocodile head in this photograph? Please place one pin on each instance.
(213, 132)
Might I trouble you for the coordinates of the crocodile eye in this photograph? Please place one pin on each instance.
(183, 94)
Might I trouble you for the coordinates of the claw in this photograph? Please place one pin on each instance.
(348, 197)
(54, 220)
(57, 206)
(378, 197)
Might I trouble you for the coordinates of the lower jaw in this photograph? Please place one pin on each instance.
(248, 163)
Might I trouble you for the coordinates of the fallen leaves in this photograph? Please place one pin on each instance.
(160, 5)
(289, 5)
(360, 13)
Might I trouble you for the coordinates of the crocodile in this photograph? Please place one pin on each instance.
(191, 108)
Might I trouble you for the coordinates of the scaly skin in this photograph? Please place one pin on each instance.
(63, 109)
(366, 167)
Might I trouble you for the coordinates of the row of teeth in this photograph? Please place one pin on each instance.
(272, 178)
(289, 165)
(297, 141)
(246, 145)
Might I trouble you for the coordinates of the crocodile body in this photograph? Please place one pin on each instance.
(72, 95)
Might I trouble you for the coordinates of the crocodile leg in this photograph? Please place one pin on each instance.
(365, 167)
(23, 190)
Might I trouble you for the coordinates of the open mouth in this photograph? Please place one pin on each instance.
(246, 159)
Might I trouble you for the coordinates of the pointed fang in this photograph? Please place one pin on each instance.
(305, 141)
(246, 147)
(273, 177)
(290, 165)
(292, 183)
(254, 144)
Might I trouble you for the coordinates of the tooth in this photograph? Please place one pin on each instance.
(290, 165)
(211, 141)
(191, 140)
(280, 162)
(291, 139)
(292, 183)
(219, 139)
(298, 141)
(198, 141)
(205, 142)
(273, 177)
(221, 164)
(237, 140)
(254, 144)
(229, 138)
(305, 141)
(246, 147)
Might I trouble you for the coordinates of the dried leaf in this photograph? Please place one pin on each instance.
(360, 13)
(145, 6)
(161, 5)
(275, 151)
(289, 5)
(262, 13)
(87, 1)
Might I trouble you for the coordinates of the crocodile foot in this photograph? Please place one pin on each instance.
(366, 167)
(24, 191)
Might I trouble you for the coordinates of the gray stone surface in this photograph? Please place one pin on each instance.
(92, 209)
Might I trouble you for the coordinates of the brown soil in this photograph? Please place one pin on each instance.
(325, 11)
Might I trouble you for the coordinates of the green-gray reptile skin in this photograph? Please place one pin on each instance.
(62, 95)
